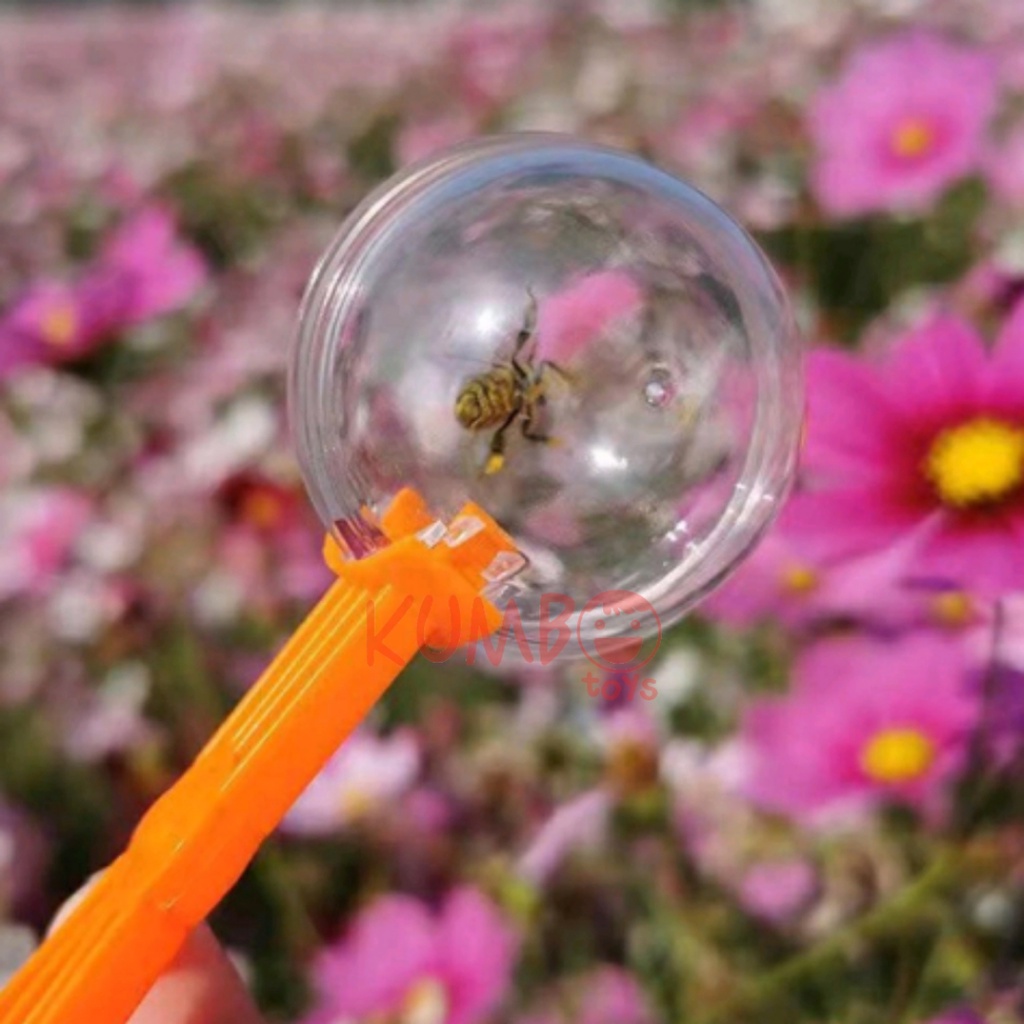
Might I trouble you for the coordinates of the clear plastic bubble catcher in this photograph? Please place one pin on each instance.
(585, 346)
(529, 373)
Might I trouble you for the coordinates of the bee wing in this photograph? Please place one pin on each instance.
(452, 356)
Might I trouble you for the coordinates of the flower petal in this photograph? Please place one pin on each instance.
(390, 946)
(851, 427)
(851, 520)
(937, 370)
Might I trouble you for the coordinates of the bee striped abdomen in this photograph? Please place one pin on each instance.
(488, 400)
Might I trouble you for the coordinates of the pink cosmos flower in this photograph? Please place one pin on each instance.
(108, 720)
(628, 738)
(401, 962)
(157, 270)
(491, 55)
(795, 578)
(143, 271)
(905, 119)
(39, 530)
(588, 306)
(777, 891)
(724, 836)
(605, 995)
(925, 448)
(628, 730)
(366, 773)
(579, 823)
(866, 722)
(705, 135)
(420, 139)
(427, 812)
(50, 323)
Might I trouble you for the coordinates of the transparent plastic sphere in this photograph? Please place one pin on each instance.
(577, 341)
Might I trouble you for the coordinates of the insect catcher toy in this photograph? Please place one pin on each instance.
(529, 372)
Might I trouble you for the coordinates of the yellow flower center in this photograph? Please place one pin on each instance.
(913, 138)
(425, 1003)
(59, 325)
(354, 803)
(262, 509)
(632, 767)
(799, 579)
(976, 463)
(898, 755)
(954, 609)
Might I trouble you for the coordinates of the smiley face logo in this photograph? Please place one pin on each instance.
(619, 630)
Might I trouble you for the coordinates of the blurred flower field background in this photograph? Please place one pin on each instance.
(819, 816)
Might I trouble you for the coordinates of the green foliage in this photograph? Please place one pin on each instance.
(857, 268)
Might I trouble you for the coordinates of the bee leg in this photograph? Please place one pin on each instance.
(526, 332)
(557, 370)
(528, 423)
(496, 459)
(540, 436)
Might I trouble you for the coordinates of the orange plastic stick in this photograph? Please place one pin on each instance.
(196, 840)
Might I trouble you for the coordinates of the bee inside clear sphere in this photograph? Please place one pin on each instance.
(583, 345)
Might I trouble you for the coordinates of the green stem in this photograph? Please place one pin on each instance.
(909, 909)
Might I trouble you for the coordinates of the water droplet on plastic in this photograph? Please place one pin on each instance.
(659, 389)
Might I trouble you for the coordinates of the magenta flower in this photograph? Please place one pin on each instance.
(402, 963)
(581, 312)
(926, 448)
(143, 271)
(905, 119)
(157, 271)
(48, 324)
(365, 774)
(795, 578)
(958, 1016)
(605, 995)
(867, 722)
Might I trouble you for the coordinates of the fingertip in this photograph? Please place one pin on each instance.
(65, 909)
(201, 986)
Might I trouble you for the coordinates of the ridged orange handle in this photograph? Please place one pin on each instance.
(196, 840)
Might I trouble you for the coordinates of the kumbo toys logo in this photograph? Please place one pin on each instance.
(618, 631)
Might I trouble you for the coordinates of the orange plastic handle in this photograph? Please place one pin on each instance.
(196, 840)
